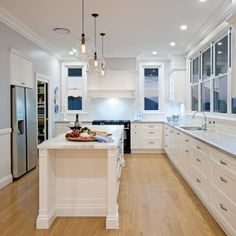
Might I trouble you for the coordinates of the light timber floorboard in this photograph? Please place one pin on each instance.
(154, 200)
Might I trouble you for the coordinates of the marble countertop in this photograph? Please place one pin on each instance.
(69, 121)
(60, 142)
(223, 142)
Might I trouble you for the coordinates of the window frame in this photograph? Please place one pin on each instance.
(212, 46)
(160, 67)
(64, 86)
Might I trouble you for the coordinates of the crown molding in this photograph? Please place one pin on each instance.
(11, 21)
(221, 14)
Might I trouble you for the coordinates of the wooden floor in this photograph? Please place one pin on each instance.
(154, 200)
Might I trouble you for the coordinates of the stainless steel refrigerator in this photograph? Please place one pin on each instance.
(24, 130)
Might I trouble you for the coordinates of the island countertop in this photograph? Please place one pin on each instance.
(60, 142)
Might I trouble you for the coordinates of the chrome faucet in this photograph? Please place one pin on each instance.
(204, 125)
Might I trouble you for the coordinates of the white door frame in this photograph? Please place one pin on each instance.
(46, 79)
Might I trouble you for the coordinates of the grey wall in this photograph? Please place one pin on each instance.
(43, 63)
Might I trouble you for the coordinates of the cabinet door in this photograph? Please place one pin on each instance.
(136, 136)
(21, 71)
(177, 82)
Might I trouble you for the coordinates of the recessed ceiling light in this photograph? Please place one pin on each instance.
(71, 53)
(220, 43)
(183, 27)
(74, 50)
(60, 30)
(202, 0)
(154, 52)
(219, 52)
(172, 44)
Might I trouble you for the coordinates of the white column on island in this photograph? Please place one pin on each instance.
(112, 221)
(47, 209)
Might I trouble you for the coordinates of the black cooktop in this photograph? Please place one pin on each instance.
(111, 122)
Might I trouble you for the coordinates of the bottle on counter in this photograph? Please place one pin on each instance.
(209, 126)
(213, 126)
(77, 123)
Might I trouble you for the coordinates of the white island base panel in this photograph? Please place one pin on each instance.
(78, 182)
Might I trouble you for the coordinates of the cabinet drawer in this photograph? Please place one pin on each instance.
(151, 134)
(224, 181)
(200, 182)
(201, 161)
(225, 162)
(136, 126)
(152, 144)
(152, 126)
(225, 211)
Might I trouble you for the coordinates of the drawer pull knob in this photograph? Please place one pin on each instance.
(222, 207)
(198, 160)
(151, 132)
(171, 131)
(186, 151)
(186, 140)
(223, 163)
(198, 180)
(166, 135)
(223, 180)
(198, 148)
(151, 142)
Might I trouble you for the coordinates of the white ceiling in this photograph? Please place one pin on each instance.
(133, 27)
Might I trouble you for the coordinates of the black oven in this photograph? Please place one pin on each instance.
(126, 123)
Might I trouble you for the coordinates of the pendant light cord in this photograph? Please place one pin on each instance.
(95, 32)
(83, 16)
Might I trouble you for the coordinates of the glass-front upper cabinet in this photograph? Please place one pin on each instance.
(206, 64)
(221, 56)
(196, 70)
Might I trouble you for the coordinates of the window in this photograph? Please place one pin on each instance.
(151, 76)
(209, 81)
(220, 94)
(151, 87)
(205, 96)
(74, 87)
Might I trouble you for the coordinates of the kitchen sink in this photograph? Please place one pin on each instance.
(192, 128)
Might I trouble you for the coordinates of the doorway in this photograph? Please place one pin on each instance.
(42, 110)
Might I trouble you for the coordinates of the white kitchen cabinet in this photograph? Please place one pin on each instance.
(146, 137)
(210, 172)
(177, 84)
(136, 132)
(21, 70)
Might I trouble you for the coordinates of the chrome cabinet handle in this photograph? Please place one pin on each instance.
(198, 160)
(223, 163)
(178, 133)
(198, 148)
(186, 140)
(151, 126)
(166, 135)
(151, 132)
(151, 142)
(222, 207)
(186, 151)
(223, 180)
(172, 131)
(198, 180)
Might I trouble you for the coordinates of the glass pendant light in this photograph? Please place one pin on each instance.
(102, 65)
(83, 47)
(95, 15)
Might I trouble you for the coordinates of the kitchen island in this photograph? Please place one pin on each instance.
(80, 178)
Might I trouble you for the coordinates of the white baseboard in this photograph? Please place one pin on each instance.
(81, 211)
(5, 181)
(147, 151)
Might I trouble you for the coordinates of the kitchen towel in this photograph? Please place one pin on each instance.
(103, 139)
